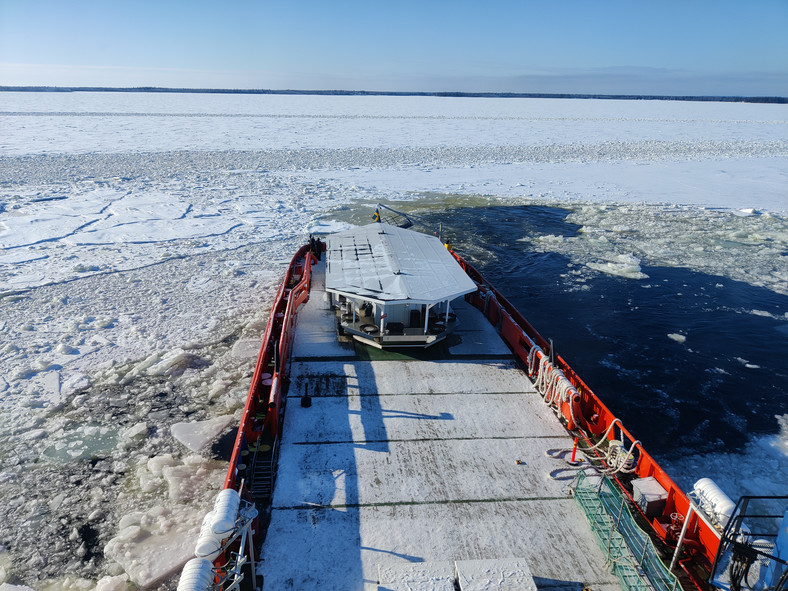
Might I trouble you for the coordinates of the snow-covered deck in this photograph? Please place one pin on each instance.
(409, 473)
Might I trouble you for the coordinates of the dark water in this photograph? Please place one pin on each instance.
(703, 395)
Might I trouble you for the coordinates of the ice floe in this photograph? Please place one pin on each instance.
(623, 265)
(197, 435)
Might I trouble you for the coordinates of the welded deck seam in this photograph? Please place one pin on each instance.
(428, 439)
(396, 394)
(348, 358)
(317, 506)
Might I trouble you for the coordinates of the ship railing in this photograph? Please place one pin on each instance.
(630, 552)
(223, 548)
(585, 414)
(262, 412)
(753, 551)
(295, 297)
(226, 541)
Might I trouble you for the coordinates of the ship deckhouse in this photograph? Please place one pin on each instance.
(393, 287)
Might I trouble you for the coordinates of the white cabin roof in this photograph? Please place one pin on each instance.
(385, 263)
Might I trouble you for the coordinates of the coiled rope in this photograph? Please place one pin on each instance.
(533, 358)
(556, 389)
(551, 382)
(618, 461)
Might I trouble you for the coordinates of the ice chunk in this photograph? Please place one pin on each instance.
(117, 583)
(217, 388)
(50, 382)
(747, 364)
(34, 434)
(55, 502)
(65, 349)
(105, 322)
(74, 383)
(624, 265)
(184, 482)
(131, 519)
(547, 239)
(155, 544)
(246, 348)
(149, 361)
(157, 463)
(679, 338)
(153, 552)
(173, 363)
(135, 433)
(28, 372)
(765, 314)
(199, 434)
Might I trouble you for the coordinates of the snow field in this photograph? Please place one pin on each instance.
(113, 122)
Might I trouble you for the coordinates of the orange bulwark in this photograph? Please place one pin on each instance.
(585, 413)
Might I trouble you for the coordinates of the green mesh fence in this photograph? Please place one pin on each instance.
(628, 549)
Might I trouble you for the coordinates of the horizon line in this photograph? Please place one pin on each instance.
(442, 94)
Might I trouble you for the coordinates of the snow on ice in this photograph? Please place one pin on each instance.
(197, 435)
(141, 243)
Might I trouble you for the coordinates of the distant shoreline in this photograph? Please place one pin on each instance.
(549, 95)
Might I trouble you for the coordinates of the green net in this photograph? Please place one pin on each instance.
(629, 551)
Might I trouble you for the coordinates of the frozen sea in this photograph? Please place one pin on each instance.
(142, 237)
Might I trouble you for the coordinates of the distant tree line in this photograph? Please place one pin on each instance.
(630, 97)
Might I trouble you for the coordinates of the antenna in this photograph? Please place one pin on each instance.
(405, 220)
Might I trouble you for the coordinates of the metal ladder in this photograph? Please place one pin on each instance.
(263, 474)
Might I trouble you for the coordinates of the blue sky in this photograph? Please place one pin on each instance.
(638, 46)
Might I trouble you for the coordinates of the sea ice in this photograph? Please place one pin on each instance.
(174, 361)
(108, 583)
(197, 435)
(155, 544)
(157, 463)
(187, 481)
(135, 432)
(623, 265)
(127, 275)
(157, 547)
